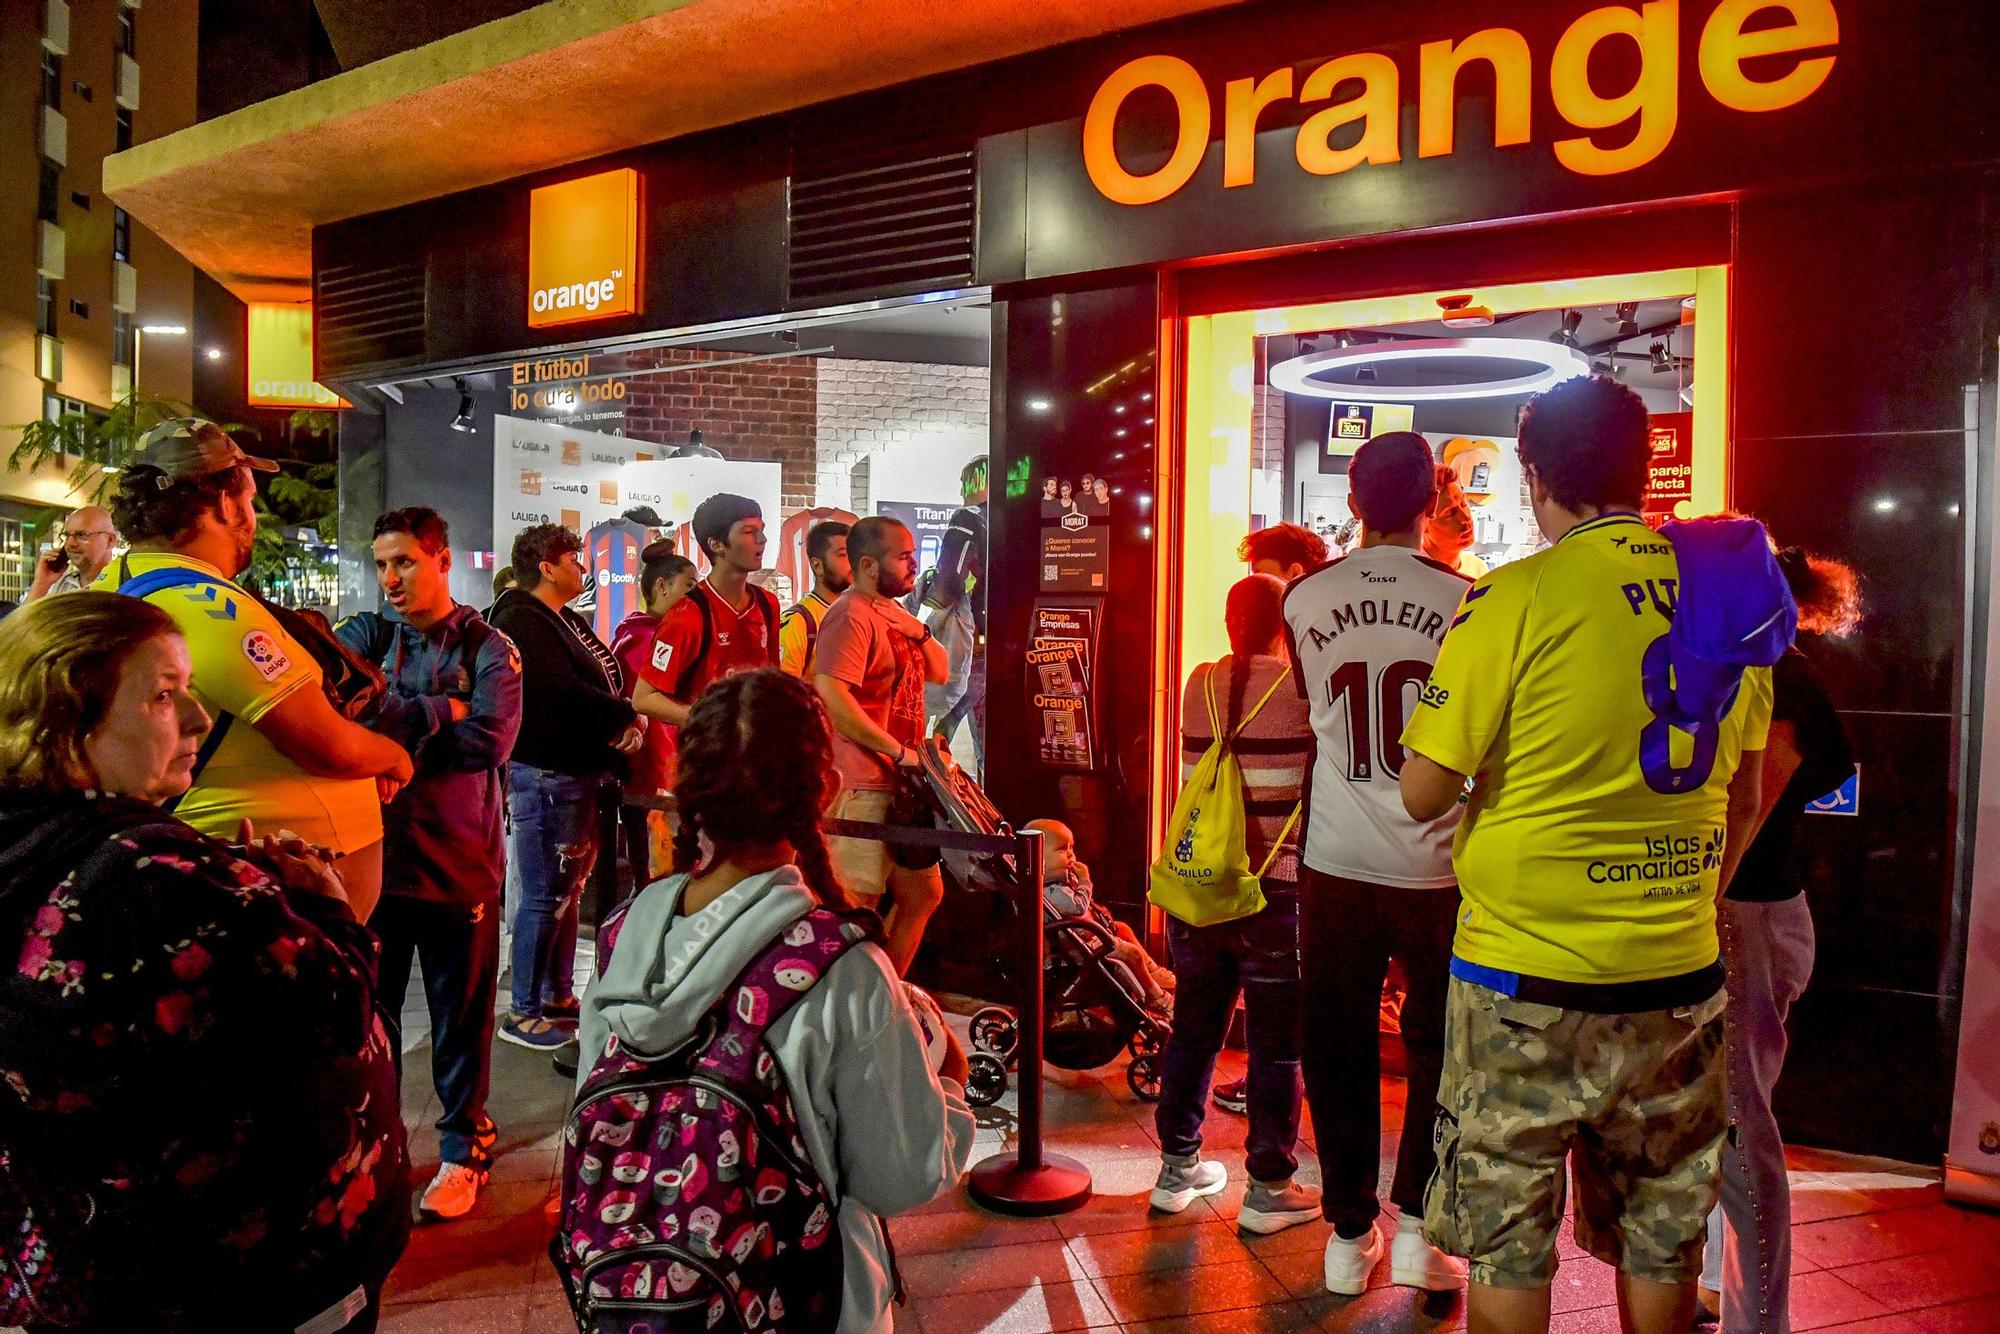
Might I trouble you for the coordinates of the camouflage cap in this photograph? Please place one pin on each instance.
(182, 448)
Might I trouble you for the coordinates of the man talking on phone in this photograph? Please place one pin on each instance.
(88, 539)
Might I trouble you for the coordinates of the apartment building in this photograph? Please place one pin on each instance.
(79, 279)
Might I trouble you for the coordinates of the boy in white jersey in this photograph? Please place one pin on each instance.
(1364, 631)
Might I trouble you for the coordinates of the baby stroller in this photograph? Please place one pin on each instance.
(1092, 1008)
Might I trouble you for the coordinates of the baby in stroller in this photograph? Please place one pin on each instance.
(1067, 891)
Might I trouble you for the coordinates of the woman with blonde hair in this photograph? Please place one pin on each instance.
(199, 1123)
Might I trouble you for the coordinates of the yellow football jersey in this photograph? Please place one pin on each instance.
(797, 637)
(1593, 835)
(245, 664)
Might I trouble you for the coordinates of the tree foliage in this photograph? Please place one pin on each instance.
(95, 444)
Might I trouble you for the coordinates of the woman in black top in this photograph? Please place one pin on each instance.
(1767, 948)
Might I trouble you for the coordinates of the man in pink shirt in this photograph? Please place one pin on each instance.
(870, 666)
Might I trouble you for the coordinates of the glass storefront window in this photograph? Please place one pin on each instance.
(1280, 398)
(821, 420)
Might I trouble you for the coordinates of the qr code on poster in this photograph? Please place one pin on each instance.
(1048, 572)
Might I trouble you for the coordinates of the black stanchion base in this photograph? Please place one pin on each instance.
(1056, 1187)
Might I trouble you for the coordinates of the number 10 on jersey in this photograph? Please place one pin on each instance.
(1375, 716)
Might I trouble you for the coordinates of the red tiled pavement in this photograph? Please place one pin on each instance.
(1877, 1250)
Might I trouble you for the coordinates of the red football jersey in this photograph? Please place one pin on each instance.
(737, 641)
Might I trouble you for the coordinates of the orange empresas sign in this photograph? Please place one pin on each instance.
(278, 370)
(1622, 129)
(583, 249)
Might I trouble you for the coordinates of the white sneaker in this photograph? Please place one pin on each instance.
(1349, 1263)
(1415, 1263)
(453, 1191)
(1183, 1180)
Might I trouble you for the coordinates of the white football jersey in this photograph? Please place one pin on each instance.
(1364, 631)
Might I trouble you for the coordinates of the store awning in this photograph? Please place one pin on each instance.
(559, 83)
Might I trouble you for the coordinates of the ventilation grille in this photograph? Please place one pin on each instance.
(368, 306)
(887, 220)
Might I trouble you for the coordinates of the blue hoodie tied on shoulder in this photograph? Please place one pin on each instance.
(1733, 611)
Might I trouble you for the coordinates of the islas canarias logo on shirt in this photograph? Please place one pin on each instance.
(1668, 865)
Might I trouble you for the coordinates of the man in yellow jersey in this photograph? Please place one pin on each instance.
(279, 755)
(798, 629)
(1584, 1011)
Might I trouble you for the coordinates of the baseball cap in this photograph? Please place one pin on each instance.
(182, 448)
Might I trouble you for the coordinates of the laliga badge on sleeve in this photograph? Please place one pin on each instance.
(663, 653)
(264, 654)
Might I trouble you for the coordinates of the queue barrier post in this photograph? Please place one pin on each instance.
(1029, 1181)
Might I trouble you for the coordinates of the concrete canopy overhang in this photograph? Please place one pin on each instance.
(563, 82)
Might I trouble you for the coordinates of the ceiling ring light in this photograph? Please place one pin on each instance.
(1553, 363)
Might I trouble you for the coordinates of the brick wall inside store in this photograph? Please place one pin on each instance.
(1267, 428)
(864, 405)
(815, 418)
(763, 411)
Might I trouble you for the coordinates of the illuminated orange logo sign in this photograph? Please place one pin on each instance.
(583, 249)
(1622, 131)
(278, 370)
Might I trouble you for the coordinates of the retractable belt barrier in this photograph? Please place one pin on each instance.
(1027, 1181)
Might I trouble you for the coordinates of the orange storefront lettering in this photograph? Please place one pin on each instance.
(1622, 130)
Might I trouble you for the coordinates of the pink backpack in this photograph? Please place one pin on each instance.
(689, 1202)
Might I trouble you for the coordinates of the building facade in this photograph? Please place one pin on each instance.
(79, 278)
(1197, 251)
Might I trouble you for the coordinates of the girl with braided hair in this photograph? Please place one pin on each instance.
(876, 1078)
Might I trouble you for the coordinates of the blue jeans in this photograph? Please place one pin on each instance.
(1257, 957)
(555, 846)
(458, 947)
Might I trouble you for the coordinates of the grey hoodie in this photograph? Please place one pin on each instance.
(883, 1131)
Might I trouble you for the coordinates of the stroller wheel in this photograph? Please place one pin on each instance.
(1143, 1077)
(994, 1030)
(985, 1080)
(1145, 1042)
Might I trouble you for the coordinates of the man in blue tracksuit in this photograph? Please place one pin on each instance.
(454, 703)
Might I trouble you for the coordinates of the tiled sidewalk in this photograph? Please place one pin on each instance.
(1876, 1248)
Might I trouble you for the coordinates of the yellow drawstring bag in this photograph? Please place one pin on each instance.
(1202, 876)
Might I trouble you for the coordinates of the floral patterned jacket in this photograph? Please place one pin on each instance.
(195, 1088)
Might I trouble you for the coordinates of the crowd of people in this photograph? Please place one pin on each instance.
(1553, 802)
(1554, 805)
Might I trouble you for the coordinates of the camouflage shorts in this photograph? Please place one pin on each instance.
(1632, 1103)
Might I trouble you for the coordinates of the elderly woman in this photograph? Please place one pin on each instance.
(199, 1125)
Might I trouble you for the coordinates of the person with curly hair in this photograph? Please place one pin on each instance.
(198, 1099)
(1285, 550)
(281, 753)
(1767, 954)
(885, 1121)
(577, 730)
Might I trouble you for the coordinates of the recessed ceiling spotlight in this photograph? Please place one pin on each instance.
(1039, 405)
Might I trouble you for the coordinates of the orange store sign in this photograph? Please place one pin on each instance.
(278, 370)
(583, 249)
(1622, 129)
